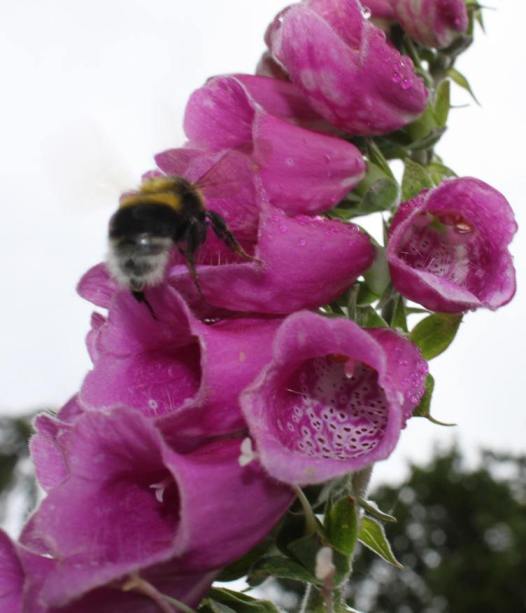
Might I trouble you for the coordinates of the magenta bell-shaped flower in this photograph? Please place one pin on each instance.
(128, 501)
(25, 574)
(300, 170)
(448, 247)
(432, 23)
(333, 399)
(346, 68)
(11, 577)
(175, 366)
(302, 261)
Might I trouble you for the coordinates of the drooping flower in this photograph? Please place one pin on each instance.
(176, 365)
(300, 170)
(347, 70)
(129, 502)
(301, 262)
(11, 576)
(432, 23)
(448, 247)
(333, 399)
(134, 593)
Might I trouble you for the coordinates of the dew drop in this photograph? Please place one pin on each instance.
(462, 227)
(366, 11)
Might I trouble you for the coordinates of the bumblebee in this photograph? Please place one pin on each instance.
(165, 212)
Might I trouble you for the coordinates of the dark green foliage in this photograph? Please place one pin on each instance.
(15, 470)
(461, 536)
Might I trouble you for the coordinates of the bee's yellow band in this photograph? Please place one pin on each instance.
(170, 199)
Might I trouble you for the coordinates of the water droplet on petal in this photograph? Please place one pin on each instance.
(406, 83)
(364, 10)
(462, 227)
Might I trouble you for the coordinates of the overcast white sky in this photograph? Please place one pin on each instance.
(92, 90)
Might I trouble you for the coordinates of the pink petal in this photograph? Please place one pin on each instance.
(448, 247)
(346, 69)
(331, 400)
(305, 262)
(304, 171)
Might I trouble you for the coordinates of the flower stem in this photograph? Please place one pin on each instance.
(311, 523)
(165, 603)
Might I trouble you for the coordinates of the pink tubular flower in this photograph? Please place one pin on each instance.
(448, 247)
(301, 171)
(11, 577)
(347, 70)
(123, 594)
(333, 399)
(129, 502)
(432, 23)
(302, 262)
(175, 365)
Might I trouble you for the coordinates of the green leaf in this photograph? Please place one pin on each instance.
(370, 507)
(305, 550)
(423, 408)
(377, 191)
(220, 600)
(415, 179)
(381, 196)
(435, 333)
(438, 172)
(376, 156)
(399, 317)
(368, 317)
(341, 525)
(365, 295)
(442, 103)
(278, 566)
(423, 126)
(372, 535)
(377, 276)
(461, 81)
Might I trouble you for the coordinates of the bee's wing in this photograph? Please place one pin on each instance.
(223, 178)
(86, 167)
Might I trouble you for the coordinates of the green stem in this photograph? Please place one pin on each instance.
(306, 599)
(165, 603)
(311, 523)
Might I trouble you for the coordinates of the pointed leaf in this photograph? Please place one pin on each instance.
(372, 535)
(442, 102)
(236, 601)
(461, 81)
(415, 179)
(370, 507)
(281, 567)
(367, 317)
(341, 524)
(438, 172)
(377, 276)
(435, 333)
(423, 409)
(376, 156)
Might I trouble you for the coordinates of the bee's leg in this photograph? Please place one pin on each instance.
(194, 237)
(141, 298)
(223, 233)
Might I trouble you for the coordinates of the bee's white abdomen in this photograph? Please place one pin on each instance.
(140, 262)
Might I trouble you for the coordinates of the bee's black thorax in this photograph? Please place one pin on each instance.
(165, 212)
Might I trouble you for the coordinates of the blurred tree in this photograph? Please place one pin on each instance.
(18, 491)
(461, 536)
